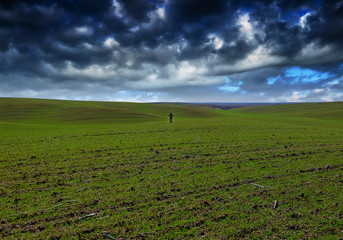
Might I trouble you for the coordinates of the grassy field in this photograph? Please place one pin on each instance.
(86, 170)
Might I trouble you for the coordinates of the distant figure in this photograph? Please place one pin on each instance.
(171, 117)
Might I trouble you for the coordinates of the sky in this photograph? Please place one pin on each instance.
(172, 50)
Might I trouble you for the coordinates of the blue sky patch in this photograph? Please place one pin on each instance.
(305, 75)
(272, 80)
(230, 88)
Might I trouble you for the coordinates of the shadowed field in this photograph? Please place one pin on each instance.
(72, 169)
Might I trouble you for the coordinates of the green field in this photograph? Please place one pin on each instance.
(83, 170)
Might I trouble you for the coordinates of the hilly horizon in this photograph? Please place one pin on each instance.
(326, 110)
(28, 110)
(78, 112)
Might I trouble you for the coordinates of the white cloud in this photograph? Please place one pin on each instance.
(334, 82)
(303, 20)
(315, 53)
(180, 46)
(332, 96)
(297, 96)
(260, 57)
(186, 69)
(246, 29)
(93, 71)
(84, 30)
(249, 28)
(137, 96)
(216, 41)
(134, 29)
(318, 90)
(161, 13)
(181, 75)
(110, 42)
(118, 9)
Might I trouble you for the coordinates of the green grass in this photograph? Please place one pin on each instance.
(83, 112)
(327, 111)
(143, 177)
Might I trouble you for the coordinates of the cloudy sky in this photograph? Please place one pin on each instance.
(172, 50)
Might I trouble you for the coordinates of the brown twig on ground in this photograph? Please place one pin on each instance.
(275, 204)
(109, 237)
(257, 185)
(87, 216)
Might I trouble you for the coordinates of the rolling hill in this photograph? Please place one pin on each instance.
(327, 111)
(39, 111)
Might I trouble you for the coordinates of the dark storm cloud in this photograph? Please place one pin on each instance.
(138, 10)
(323, 25)
(326, 25)
(196, 11)
(154, 46)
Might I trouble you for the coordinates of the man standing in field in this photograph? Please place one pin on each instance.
(171, 117)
